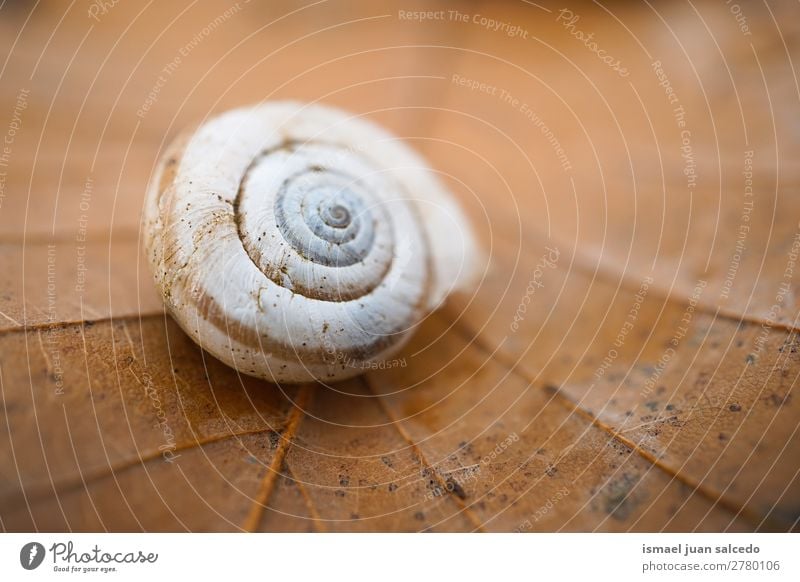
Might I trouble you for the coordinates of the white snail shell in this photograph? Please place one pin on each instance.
(298, 242)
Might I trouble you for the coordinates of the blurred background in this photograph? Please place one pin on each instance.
(646, 386)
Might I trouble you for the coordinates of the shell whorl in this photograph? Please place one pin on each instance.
(295, 242)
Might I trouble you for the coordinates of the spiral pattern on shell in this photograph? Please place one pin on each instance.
(295, 242)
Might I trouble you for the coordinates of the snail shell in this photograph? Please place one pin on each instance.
(298, 242)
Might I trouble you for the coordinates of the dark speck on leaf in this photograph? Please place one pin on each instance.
(455, 487)
(274, 439)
